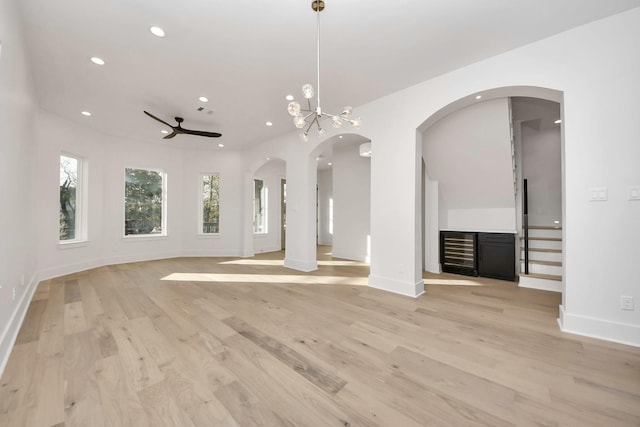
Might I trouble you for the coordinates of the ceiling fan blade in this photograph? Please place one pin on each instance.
(171, 135)
(201, 133)
(160, 120)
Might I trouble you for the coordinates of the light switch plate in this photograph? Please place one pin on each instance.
(598, 194)
(634, 193)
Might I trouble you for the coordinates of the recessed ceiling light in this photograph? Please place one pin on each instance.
(289, 97)
(269, 124)
(340, 137)
(203, 99)
(329, 164)
(221, 145)
(157, 31)
(86, 113)
(268, 158)
(478, 96)
(164, 131)
(558, 121)
(97, 61)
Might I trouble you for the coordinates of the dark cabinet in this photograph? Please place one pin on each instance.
(497, 256)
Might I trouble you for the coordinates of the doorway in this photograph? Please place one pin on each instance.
(283, 213)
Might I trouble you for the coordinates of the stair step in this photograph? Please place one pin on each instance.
(554, 263)
(548, 239)
(555, 251)
(545, 227)
(543, 276)
(534, 281)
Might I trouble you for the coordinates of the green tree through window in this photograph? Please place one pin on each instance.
(143, 200)
(68, 197)
(210, 204)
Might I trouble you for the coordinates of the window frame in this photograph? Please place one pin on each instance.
(200, 231)
(81, 200)
(163, 209)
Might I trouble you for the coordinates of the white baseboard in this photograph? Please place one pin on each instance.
(305, 266)
(64, 270)
(622, 333)
(351, 257)
(126, 259)
(217, 253)
(408, 289)
(10, 332)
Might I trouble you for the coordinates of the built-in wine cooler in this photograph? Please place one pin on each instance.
(458, 252)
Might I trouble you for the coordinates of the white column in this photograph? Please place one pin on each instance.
(300, 249)
(396, 213)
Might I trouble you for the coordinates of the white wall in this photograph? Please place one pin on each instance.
(271, 173)
(229, 166)
(325, 200)
(351, 203)
(542, 169)
(469, 153)
(18, 119)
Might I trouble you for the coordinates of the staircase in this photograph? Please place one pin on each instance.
(545, 259)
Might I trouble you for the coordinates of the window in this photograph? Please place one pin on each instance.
(144, 195)
(210, 204)
(71, 199)
(259, 206)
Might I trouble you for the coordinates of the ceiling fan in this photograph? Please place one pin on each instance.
(179, 129)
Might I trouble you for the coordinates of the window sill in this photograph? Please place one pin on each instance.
(72, 244)
(143, 237)
(208, 235)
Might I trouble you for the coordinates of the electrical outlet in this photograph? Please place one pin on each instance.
(626, 303)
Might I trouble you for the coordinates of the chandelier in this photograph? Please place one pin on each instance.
(306, 118)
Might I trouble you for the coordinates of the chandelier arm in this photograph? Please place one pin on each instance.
(315, 119)
(311, 113)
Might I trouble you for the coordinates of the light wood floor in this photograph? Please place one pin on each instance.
(246, 342)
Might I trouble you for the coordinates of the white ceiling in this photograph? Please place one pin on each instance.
(245, 56)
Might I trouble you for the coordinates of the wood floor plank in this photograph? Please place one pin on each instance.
(139, 367)
(244, 341)
(71, 291)
(120, 403)
(300, 364)
(81, 394)
(33, 322)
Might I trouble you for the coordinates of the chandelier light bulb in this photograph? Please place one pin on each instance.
(298, 122)
(356, 122)
(294, 109)
(305, 136)
(307, 91)
(321, 132)
(347, 111)
(336, 122)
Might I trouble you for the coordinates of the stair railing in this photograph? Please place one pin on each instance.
(525, 225)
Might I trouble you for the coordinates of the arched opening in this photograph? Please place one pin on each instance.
(343, 201)
(266, 217)
(477, 185)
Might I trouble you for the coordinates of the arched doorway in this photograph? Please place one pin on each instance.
(436, 195)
